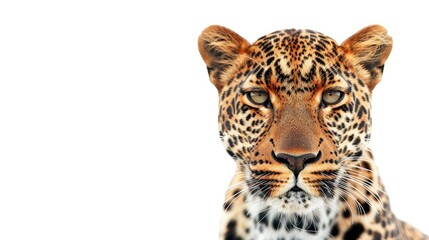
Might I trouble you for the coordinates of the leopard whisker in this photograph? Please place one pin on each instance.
(359, 208)
(363, 180)
(366, 198)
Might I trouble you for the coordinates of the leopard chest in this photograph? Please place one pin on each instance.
(270, 222)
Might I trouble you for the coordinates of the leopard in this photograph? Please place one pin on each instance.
(295, 116)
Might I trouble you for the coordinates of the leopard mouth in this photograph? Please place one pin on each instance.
(295, 189)
(296, 192)
(294, 201)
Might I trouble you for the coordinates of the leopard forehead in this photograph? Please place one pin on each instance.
(290, 62)
(294, 55)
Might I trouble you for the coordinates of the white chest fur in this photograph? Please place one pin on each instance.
(273, 220)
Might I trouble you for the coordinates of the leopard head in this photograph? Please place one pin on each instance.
(294, 107)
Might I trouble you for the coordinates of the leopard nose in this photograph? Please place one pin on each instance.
(296, 163)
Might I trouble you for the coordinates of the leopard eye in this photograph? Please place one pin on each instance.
(258, 97)
(331, 97)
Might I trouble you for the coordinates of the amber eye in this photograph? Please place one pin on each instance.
(331, 97)
(258, 97)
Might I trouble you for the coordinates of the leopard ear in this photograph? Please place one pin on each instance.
(369, 48)
(221, 49)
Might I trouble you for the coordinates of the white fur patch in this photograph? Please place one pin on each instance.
(290, 217)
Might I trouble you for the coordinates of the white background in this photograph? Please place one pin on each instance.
(108, 122)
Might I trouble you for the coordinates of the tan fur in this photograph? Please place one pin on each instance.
(371, 45)
(221, 40)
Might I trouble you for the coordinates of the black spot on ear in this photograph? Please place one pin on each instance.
(354, 232)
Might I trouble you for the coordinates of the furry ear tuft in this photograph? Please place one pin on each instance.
(369, 48)
(220, 47)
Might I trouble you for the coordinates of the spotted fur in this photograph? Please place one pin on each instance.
(304, 169)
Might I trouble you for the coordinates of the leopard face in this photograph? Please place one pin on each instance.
(294, 109)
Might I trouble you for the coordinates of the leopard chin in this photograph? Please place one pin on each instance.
(293, 202)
